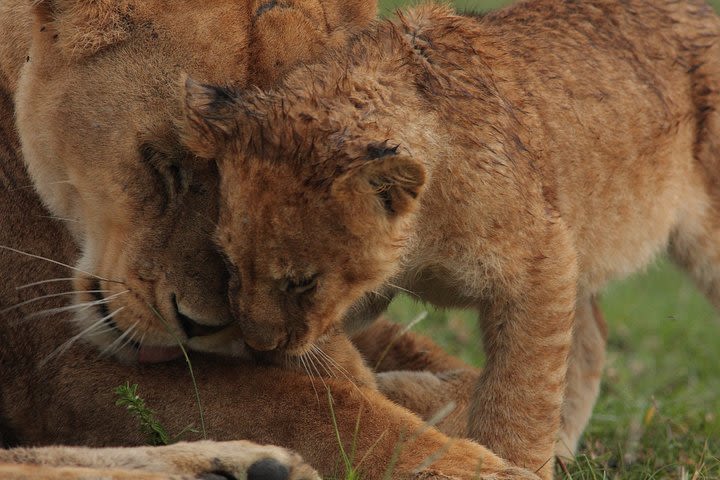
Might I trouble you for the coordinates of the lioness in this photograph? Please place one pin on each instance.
(515, 162)
(99, 117)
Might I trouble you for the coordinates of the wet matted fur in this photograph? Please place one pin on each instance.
(515, 162)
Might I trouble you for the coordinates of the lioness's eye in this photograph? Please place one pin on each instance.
(297, 286)
(168, 172)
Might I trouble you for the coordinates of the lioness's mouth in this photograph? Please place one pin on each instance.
(142, 351)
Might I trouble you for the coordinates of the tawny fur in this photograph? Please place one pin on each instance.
(514, 162)
(91, 107)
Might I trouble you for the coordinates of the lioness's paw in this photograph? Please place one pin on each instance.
(203, 460)
(238, 459)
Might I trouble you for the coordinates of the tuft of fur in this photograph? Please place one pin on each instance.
(542, 151)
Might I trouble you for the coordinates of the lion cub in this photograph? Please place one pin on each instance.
(514, 163)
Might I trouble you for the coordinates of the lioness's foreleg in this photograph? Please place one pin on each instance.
(527, 332)
(238, 459)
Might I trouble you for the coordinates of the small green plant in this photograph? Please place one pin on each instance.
(128, 397)
(153, 430)
(190, 368)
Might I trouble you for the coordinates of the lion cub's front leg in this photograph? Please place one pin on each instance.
(527, 333)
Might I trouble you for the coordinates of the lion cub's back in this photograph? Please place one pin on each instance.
(614, 99)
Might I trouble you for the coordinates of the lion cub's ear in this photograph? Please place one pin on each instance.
(394, 180)
(209, 117)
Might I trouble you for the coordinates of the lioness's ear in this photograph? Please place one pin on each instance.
(209, 117)
(81, 28)
(394, 180)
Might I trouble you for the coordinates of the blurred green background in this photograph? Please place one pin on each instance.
(658, 415)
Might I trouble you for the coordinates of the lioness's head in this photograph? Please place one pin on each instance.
(100, 126)
(316, 203)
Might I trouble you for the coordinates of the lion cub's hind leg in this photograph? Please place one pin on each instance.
(585, 366)
(418, 374)
(695, 240)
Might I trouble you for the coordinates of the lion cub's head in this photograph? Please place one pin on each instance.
(316, 204)
(100, 126)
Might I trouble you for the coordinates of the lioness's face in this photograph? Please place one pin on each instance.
(99, 120)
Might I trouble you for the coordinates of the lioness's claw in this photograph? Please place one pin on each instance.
(268, 469)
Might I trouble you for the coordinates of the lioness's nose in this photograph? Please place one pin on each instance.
(191, 327)
(264, 339)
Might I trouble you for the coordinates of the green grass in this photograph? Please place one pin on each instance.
(658, 415)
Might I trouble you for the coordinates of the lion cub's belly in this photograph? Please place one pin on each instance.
(622, 217)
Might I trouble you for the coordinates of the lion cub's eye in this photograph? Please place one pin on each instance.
(297, 286)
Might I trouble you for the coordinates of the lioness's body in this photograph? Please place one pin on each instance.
(515, 162)
(68, 398)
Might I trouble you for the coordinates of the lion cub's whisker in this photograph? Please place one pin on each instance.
(309, 374)
(333, 364)
(40, 257)
(326, 368)
(42, 282)
(311, 360)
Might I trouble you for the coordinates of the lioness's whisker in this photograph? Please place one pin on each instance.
(51, 295)
(42, 282)
(62, 219)
(403, 289)
(128, 340)
(110, 349)
(32, 185)
(78, 306)
(40, 257)
(381, 295)
(65, 346)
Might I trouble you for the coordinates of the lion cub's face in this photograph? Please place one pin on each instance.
(309, 222)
